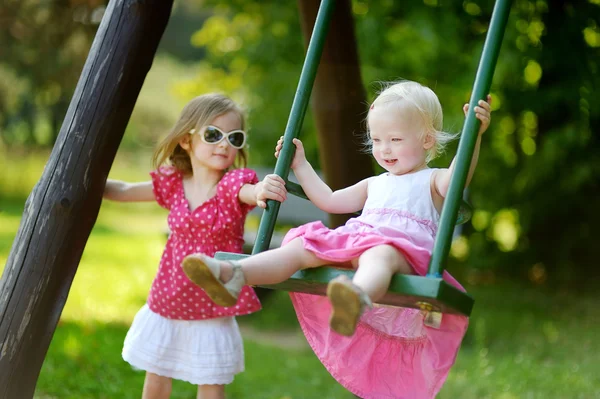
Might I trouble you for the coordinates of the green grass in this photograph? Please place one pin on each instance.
(84, 361)
(522, 342)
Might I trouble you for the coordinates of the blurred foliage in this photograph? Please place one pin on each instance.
(43, 46)
(536, 188)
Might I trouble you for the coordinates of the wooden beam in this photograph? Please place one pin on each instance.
(338, 100)
(63, 207)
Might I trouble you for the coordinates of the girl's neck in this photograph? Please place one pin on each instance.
(201, 185)
(205, 177)
(416, 169)
(419, 168)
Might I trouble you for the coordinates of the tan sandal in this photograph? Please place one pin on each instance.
(348, 303)
(204, 271)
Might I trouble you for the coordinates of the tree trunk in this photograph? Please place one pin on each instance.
(63, 206)
(338, 100)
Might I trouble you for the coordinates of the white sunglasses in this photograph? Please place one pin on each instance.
(214, 135)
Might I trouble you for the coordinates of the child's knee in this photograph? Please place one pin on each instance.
(306, 259)
(157, 379)
(387, 253)
(211, 391)
(389, 257)
(156, 386)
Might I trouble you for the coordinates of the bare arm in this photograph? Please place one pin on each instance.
(117, 190)
(347, 200)
(272, 187)
(443, 176)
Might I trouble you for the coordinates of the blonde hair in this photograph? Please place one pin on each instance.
(426, 105)
(198, 113)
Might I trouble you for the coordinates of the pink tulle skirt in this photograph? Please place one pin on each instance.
(392, 354)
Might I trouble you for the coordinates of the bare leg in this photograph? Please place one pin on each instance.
(371, 281)
(275, 266)
(211, 392)
(156, 387)
(376, 266)
(222, 281)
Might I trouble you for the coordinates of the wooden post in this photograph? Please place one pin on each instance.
(338, 100)
(63, 207)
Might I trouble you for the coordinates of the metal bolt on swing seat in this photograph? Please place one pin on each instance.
(431, 318)
(425, 306)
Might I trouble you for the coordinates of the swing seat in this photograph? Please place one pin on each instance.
(409, 291)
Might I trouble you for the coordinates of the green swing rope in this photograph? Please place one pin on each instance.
(468, 138)
(292, 130)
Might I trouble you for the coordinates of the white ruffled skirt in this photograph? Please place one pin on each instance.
(202, 352)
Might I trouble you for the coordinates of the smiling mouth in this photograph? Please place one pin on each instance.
(390, 161)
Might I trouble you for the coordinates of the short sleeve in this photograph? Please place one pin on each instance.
(165, 184)
(229, 187)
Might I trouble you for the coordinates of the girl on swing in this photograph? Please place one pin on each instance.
(375, 352)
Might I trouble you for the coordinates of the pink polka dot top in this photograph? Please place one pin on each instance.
(215, 225)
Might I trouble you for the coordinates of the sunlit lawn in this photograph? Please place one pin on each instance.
(522, 343)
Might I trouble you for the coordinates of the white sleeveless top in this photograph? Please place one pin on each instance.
(401, 206)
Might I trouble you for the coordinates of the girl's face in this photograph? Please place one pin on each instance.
(399, 145)
(218, 156)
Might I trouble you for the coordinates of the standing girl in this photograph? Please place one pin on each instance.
(180, 333)
(388, 352)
